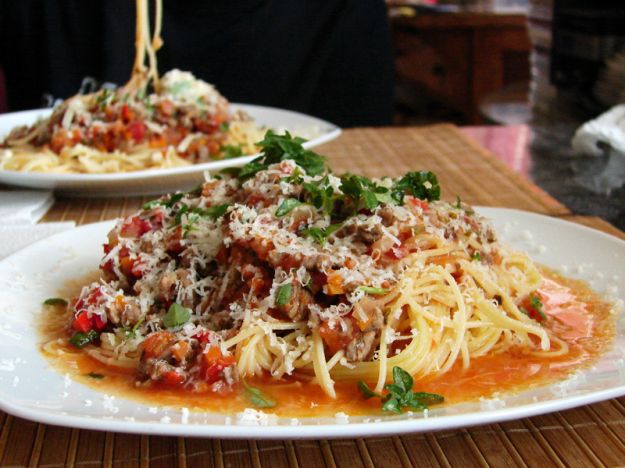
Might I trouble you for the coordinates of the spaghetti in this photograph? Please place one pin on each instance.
(282, 269)
(182, 122)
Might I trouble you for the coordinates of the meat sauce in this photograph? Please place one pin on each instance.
(576, 314)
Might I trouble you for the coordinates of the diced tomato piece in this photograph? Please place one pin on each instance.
(334, 338)
(60, 139)
(335, 284)
(82, 323)
(98, 323)
(180, 350)
(172, 378)
(166, 107)
(137, 131)
(157, 343)
(127, 113)
(397, 253)
(532, 312)
(213, 363)
(135, 227)
(423, 204)
(203, 336)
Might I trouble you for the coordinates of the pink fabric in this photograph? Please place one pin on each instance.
(508, 142)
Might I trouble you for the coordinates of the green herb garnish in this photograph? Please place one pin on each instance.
(283, 294)
(287, 206)
(257, 397)
(321, 234)
(224, 126)
(477, 257)
(80, 339)
(176, 316)
(167, 202)
(55, 302)
(276, 148)
(95, 375)
(422, 184)
(400, 394)
(372, 290)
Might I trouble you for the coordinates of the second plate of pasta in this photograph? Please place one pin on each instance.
(155, 181)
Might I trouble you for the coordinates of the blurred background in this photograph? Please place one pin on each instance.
(519, 76)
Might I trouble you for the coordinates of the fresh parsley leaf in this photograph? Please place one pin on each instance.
(224, 126)
(366, 391)
(181, 211)
(214, 212)
(148, 206)
(477, 257)
(80, 339)
(257, 397)
(321, 234)
(168, 202)
(176, 316)
(283, 294)
(372, 290)
(287, 206)
(55, 302)
(231, 151)
(95, 375)
(251, 168)
(175, 198)
(400, 394)
(458, 204)
(276, 148)
(421, 184)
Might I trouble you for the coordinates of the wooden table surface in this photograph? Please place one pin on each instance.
(588, 436)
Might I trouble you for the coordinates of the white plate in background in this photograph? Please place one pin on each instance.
(29, 388)
(158, 181)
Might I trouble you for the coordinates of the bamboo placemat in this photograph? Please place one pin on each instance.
(589, 436)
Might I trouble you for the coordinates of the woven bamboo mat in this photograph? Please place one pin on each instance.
(588, 436)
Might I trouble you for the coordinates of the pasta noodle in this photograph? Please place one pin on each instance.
(184, 121)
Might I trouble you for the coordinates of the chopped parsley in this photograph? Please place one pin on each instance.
(95, 375)
(283, 294)
(321, 234)
(55, 302)
(477, 257)
(400, 395)
(257, 397)
(287, 206)
(373, 291)
(80, 339)
(176, 316)
(276, 148)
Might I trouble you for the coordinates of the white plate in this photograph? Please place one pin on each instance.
(157, 181)
(30, 389)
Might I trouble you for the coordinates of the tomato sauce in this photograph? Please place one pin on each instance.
(576, 315)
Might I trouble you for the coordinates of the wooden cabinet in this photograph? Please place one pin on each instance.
(459, 58)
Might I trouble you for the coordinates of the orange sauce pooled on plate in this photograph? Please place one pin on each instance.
(576, 315)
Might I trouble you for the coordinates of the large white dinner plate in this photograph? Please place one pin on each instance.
(30, 389)
(157, 181)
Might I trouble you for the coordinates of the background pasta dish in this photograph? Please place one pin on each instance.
(151, 122)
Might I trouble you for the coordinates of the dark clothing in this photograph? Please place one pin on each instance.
(328, 58)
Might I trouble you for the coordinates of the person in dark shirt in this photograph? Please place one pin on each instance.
(328, 58)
